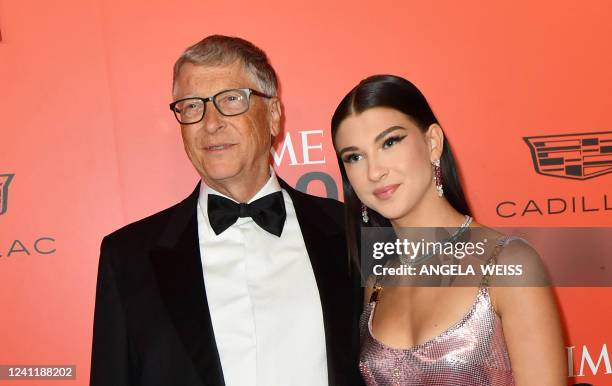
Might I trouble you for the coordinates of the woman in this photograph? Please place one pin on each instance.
(398, 170)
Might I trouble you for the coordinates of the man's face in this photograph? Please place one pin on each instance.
(232, 150)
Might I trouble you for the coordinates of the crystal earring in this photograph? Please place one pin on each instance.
(364, 214)
(437, 176)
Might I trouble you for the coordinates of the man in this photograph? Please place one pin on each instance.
(246, 281)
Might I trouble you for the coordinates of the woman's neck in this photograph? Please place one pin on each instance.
(433, 213)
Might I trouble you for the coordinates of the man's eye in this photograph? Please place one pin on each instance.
(351, 158)
(188, 106)
(392, 141)
(232, 98)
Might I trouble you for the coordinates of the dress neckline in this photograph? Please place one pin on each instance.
(481, 294)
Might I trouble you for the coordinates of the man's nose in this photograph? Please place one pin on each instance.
(213, 119)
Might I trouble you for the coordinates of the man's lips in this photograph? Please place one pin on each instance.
(386, 191)
(219, 147)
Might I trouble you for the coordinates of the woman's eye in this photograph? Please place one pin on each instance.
(392, 141)
(352, 158)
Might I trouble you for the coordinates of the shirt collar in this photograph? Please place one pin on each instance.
(271, 186)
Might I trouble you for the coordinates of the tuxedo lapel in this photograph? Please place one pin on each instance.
(324, 240)
(178, 268)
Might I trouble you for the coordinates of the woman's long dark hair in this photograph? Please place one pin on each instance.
(399, 94)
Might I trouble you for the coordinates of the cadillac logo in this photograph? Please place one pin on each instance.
(5, 181)
(575, 156)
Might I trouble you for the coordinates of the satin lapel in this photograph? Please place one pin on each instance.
(178, 268)
(327, 251)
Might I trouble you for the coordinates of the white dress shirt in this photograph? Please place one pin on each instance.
(263, 300)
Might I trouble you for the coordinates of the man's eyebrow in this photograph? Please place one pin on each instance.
(387, 131)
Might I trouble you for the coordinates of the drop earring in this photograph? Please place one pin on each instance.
(437, 177)
(364, 214)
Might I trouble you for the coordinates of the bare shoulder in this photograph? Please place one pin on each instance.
(527, 300)
(522, 279)
(528, 267)
(523, 300)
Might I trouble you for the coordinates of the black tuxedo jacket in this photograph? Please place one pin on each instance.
(152, 325)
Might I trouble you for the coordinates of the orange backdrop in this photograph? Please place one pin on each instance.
(90, 144)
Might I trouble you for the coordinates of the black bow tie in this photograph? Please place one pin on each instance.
(268, 212)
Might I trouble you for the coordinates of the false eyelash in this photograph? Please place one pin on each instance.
(395, 139)
(347, 158)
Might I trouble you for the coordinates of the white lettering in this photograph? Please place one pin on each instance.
(377, 252)
(502, 270)
(287, 145)
(306, 147)
(594, 367)
(570, 361)
(447, 269)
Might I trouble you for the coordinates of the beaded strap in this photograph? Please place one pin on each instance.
(501, 243)
(377, 287)
(376, 294)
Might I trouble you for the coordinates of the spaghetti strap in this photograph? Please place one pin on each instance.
(502, 241)
(377, 289)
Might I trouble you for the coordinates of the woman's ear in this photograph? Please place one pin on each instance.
(435, 141)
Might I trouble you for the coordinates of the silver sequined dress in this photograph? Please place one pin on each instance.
(470, 353)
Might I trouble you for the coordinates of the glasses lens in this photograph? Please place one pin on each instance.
(232, 102)
(189, 110)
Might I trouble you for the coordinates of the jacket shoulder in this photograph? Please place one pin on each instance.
(147, 230)
(327, 208)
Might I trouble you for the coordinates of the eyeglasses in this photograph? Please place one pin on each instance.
(228, 103)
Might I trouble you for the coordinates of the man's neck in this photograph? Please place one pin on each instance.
(240, 191)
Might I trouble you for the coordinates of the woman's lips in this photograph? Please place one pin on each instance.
(386, 191)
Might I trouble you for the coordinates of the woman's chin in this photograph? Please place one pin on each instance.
(390, 215)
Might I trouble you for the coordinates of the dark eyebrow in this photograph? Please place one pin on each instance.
(349, 148)
(380, 136)
(387, 131)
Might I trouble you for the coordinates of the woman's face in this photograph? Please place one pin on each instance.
(387, 159)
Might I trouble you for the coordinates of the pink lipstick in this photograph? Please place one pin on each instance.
(386, 191)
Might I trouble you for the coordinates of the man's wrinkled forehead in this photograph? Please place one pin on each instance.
(234, 70)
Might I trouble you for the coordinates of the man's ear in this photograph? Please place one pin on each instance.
(274, 116)
(435, 140)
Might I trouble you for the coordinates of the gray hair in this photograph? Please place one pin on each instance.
(219, 50)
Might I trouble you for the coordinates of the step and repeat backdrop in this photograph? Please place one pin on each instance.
(88, 144)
